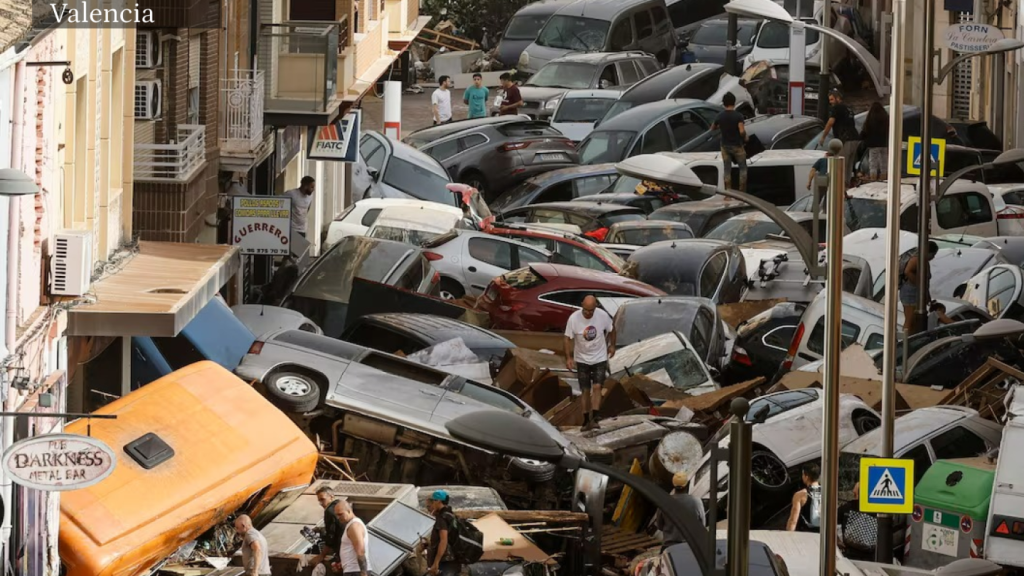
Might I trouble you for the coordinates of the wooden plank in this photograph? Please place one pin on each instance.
(524, 516)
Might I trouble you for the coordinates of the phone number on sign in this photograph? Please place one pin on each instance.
(266, 251)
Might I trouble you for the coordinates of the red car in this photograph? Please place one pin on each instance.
(570, 248)
(541, 297)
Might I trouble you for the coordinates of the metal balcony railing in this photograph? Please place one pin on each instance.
(242, 101)
(178, 161)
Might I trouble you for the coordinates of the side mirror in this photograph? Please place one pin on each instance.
(606, 84)
(374, 174)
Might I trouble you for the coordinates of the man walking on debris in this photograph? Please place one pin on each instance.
(909, 296)
(806, 511)
(354, 548)
(255, 554)
(589, 343)
(440, 560)
(670, 534)
(331, 530)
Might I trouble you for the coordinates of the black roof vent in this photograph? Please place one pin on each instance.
(149, 451)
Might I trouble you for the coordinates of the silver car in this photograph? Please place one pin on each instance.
(467, 261)
(379, 397)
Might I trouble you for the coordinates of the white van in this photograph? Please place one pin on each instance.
(773, 39)
(414, 224)
(1007, 504)
(357, 219)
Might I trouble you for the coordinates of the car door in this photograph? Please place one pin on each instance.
(609, 77)
(965, 213)
(622, 35)
(471, 147)
(484, 259)
(629, 74)
(445, 152)
(655, 139)
(995, 290)
(373, 152)
(711, 276)
(646, 36)
(686, 126)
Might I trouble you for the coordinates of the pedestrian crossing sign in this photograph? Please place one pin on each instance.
(886, 486)
(914, 156)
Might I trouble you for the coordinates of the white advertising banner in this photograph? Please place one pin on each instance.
(262, 224)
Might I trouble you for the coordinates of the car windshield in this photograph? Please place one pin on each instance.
(587, 110)
(865, 213)
(407, 235)
(681, 369)
(525, 27)
(488, 395)
(521, 192)
(775, 35)
(709, 34)
(608, 146)
(619, 107)
(574, 33)
(645, 236)
(742, 230)
(354, 256)
(571, 75)
(417, 181)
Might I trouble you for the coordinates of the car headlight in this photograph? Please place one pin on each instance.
(524, 61)
(552, 104)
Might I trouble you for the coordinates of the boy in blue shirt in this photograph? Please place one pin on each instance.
(476, 97)
(820, 167)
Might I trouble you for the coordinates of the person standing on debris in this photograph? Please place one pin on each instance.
(354, 548)
(589, 343)
(476, 97)
(670, 534)
(806, 510)
(841, 125)
(909, 296)
(876, 139)
(255, 554)
(820, 167)
(302, 199)
(734, 135)
(441, 101)
(332, 526)
(513, 100)
(440, 560)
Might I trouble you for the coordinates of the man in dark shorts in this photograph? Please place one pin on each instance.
(734, 135)
(513, 101)
(589, 343)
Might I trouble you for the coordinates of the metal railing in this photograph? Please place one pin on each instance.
(243, 111)
(174, 162)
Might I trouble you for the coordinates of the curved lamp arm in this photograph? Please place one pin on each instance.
(952, 64)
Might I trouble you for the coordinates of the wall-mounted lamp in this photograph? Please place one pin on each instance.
(68, 76)
(21, 383)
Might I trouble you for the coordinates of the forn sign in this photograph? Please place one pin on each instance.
(58, 462)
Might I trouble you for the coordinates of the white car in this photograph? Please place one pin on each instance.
(579, 110)
(357, 219)
(1009, 203)
(415, 224)
(467, 261)
(789, 436)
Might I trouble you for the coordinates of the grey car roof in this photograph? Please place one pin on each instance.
(543, 7)
(602, 9)
(640, 117)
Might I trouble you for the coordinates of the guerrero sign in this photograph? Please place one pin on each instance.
(262, 224)
(58, 462)
(972, 37)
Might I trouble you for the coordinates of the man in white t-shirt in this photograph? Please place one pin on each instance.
(441, 101)
(589, 343)
(301, 197)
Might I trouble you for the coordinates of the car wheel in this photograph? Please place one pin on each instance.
(451, 290)
(864, 423)
(768, 471)
(533, 471)
(293, 392)
(476, 180)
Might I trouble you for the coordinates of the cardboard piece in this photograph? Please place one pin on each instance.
(908, 397)
(717, 400)
(733, 314)
(494, 529)
(546, 393)
(616, 398)
(523, 367)
(553, 341)
(655, 389)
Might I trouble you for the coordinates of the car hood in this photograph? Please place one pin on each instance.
(510, 50)
(536, 56)
(630, 358)
(714, 54)
(540, 94)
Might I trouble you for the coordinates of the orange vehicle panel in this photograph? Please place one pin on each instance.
(229, 443)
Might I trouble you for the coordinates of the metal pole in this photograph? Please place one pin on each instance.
(876, 23)
(998, 94)
(924, 191)
(883, 544)
(797, 67)
(833, 348)
(731, 65)
(738, 535)
(824, 82)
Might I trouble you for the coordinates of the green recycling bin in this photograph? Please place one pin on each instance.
(950, 511)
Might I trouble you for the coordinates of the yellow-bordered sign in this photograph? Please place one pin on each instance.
(914, 155)
(886, 485)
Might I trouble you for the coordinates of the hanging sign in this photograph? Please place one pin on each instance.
(261, 224)
(58, 462)
(967, 38)
(338, 142)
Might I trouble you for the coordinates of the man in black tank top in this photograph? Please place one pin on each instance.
(806, 511)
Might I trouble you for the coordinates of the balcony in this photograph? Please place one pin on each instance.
(301, 88)
(243, 141)
(177, 162)
(180, 13)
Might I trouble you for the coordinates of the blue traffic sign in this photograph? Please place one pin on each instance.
(886, 485)
(914, 155)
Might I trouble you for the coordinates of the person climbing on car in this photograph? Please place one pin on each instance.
(440, 559)
(806, 511)
(734, 136)
(909, 295)
(589, 343)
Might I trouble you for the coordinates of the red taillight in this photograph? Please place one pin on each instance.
(787, 364)
(256, 348)
(598, 234)
(739, 355)
(1011, 216)
(433, 256)
(509, 147)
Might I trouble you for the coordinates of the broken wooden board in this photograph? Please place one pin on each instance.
(522, 367)
(735, 313)
(553, 341)
(983, 390)
(496, 530)
(437, 39)
(555, 517)
(712, 402)
(908, 397)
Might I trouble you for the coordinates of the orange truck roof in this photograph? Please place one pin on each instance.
(229, 444)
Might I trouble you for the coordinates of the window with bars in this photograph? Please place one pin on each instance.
(962, 78)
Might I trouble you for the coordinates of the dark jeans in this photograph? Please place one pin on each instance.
(734, 155)
(588, 375)
(447, 569)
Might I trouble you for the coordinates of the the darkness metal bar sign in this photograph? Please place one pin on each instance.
(58, 462)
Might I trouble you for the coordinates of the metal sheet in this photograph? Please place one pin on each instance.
(402, 524)
(385, 557)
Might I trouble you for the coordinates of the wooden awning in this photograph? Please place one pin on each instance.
(157, 292)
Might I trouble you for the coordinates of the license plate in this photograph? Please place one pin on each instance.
(551, 157)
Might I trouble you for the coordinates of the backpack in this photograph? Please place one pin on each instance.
(814, 507)
(467, 545)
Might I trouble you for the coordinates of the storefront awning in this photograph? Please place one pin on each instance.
(157, 292)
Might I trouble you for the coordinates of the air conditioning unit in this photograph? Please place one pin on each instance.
(148, 52)
(148, 99)
(71, 265)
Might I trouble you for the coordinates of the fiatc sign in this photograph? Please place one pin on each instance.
(968, 38)
(58, 462)
(261, 224)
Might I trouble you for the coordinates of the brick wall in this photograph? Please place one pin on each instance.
(174, 212)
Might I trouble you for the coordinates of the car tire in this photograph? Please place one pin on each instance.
(451, 289)
(864, 423)
(768, 472)
(476, 180)
(533, 471)
(292, 392)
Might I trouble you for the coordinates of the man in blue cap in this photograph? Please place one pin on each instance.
(440, 560)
